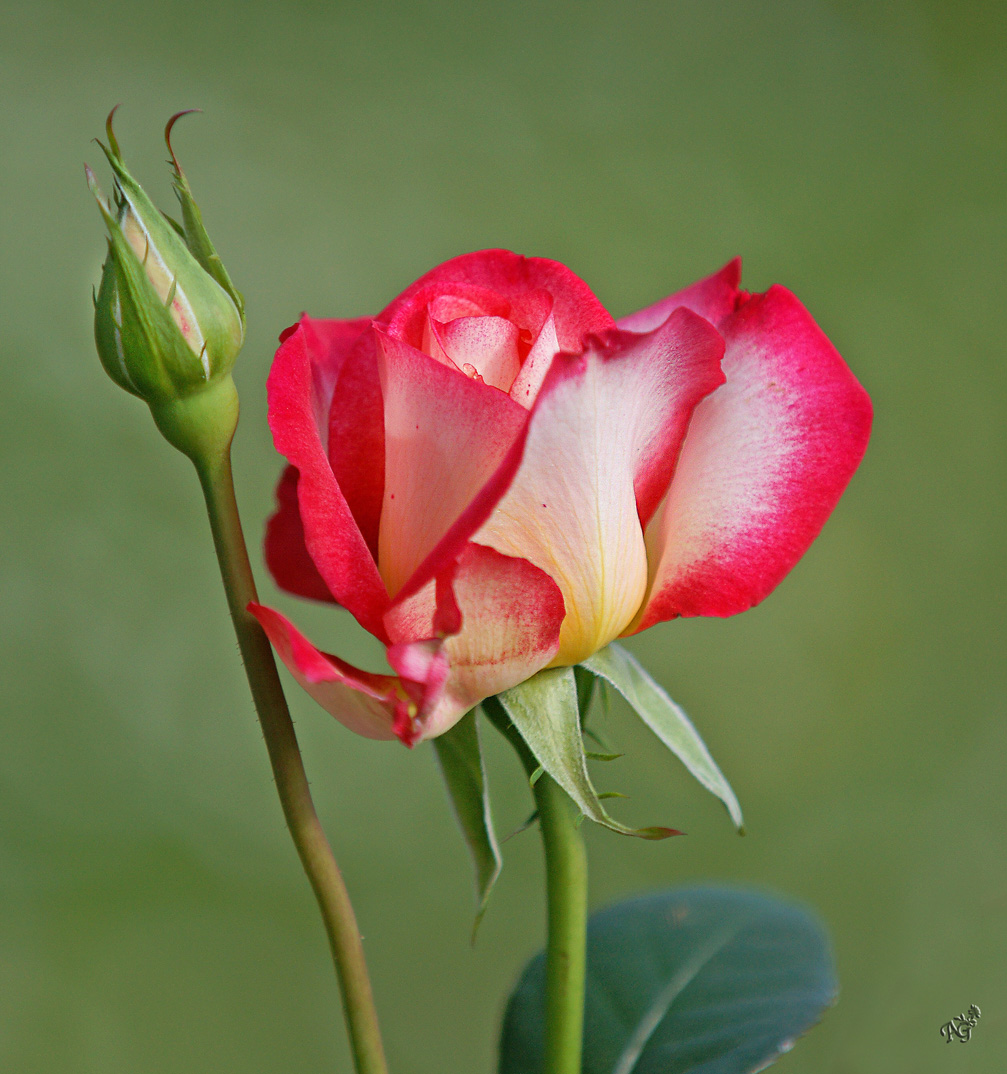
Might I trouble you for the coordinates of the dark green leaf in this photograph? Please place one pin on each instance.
(703, 980)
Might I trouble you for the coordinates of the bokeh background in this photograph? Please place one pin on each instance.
(152, 913)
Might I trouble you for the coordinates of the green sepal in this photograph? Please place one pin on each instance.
(144, 350)
(138, 341)
(666, 719)
(459, 754)
(196, 237)
(546, 714)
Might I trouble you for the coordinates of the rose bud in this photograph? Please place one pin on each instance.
(168, 323)
(495, 477)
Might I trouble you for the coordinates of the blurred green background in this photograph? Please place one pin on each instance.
(153, 917)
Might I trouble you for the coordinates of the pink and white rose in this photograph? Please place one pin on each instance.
(494, 477)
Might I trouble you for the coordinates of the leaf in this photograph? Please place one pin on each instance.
(703, 980)
(671, 725)
(459, 755)
(544, 709)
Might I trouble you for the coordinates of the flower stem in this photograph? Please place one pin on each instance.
(566, 899)
(566, 950)
(288, 768)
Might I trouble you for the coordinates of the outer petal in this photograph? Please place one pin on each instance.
(286, 555)
(576, 310)
(605, 431)
(364, 702)
(446, 435)
(299, 388)
(357, 437)
(766, 458)
(714, 298)
(510, 614)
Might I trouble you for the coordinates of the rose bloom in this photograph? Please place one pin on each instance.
(494, 477)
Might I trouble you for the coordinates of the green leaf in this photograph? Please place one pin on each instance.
(671, 725)
(704, 980)
(544, 709)
(459, 755)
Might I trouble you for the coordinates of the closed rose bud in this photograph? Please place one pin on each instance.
(168, 322)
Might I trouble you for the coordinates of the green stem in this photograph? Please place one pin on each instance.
(566, 897)
(566, 950)
(288, 768)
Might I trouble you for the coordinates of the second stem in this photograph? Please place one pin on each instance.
(288, 769)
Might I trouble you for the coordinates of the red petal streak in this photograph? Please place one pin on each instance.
(298, 407)
(766, 458)
(286, 556)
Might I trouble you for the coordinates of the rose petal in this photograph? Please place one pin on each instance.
(363, 702)
(357, 437)
(299, 388)
(766, 459)
(536, 365)
(509, 279)
(446, 435)
(714, 298)
(286, 555)
(604, 434)
(488, 346)
(510, 614)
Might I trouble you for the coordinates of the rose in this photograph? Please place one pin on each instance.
(494, 477)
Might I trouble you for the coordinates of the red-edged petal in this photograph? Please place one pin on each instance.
(299, 388)
(363, 702)
(600, 449)
(536, 365)
(714, 298)
(446, 436)
(357, 437)
(286, 556)
(766, 459)
(509, 277)
(509, 614)
(331, 342)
